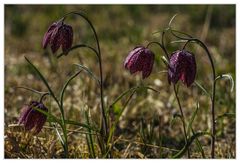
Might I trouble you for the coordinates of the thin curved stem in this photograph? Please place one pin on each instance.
(32, 90)
(76, 47)
(61, 104)
(161, 46)
(104, 119)
(182, 118)
(57, 101)
(42, 97)
(191, 39)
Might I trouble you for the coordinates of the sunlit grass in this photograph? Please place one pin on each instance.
(120, 28)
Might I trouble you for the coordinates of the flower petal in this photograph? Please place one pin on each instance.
(47, 35)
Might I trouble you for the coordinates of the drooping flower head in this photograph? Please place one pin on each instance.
(58, 34)
(32, 118)
(182, 65)
(140, 59)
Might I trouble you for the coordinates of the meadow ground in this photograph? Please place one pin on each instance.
(147, 128)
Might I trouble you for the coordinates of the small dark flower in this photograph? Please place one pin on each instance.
(140, 59)
(32, 118)
(182, 66)
(58, 34)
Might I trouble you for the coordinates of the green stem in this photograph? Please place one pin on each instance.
(104, 128)
(32, 90)
(55, 99)
(76, 47)
(213, 124)
(182, 117)
(161, 46)
(45, 94)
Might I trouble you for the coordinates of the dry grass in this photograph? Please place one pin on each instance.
(120, 28)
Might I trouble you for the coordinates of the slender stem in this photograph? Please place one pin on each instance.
(104, 119)
(55, 99)
(182, 118)
(32, 90)
(65, 140)
(161, 46)
(76, 47)
(213, 124)
(45, 94)
(64, 130)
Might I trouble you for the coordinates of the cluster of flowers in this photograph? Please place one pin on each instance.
(181, 66)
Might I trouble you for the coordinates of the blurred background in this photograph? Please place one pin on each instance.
(120, 28)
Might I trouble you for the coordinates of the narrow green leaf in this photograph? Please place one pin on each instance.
(178, 41)
(122, 95)
(190, 140)
(189, 37)
(192, 119)
(89, 72)
(199, 145)
(32, 90)
(112, 129)
(131, 90)
(165, 61)
(91, 146)
(44, 81)
(171, 20)
(81, 125)
(227, 76)
(229, 115)
(60, 137)
(202, 88)
(65, 86)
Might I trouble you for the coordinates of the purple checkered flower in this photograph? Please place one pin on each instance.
(182, 66)
(32, 118)
(58, 34)
(140, 59)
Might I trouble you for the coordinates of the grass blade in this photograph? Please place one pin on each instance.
(65, 86)
(202, 88)
(89, 137)
(229, 115)
(32, 90)
(89, 72)
(82, 125)
(190, 140)
(112, 129)
(44, 80)
(199, 145)
(171, 20)
(192, 119)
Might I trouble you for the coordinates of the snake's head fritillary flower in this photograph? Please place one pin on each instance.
(32, 118)
(140, 59)
(182, 66)
(58, 34)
